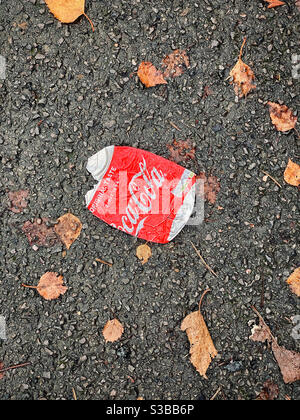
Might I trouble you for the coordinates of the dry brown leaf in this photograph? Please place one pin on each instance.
(269, 392)
(68, 228)
(202, 347)
(292, 174)
(175, 64)
(282, 117)
(294, 282)
(23, 25)
(50, 286)
(150, 76)
(143, 253)
(113, 330)
(261, 332)
(288, 361)
(242, 76)
(181, 150)
(18, 200)
(298, 4)
(38, 233)
(212, 187)
(67, 11)
(274, 3)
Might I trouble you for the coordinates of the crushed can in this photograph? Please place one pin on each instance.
(140, 193)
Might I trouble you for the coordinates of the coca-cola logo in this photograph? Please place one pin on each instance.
(143, 189)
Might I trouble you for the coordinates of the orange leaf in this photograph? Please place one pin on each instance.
(150, 76)
(292, 174)
(175, 63)
(67, 11)
(294, 282)
(143, 253)
(202, 347)
(242, 76)
(68, 228)
(50, 286)
(274, 3)
(113, 330)
(282, 117)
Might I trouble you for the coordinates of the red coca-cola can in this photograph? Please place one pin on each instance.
(140, 193)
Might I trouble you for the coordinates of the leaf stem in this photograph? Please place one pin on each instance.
(242, 48)
(92, 25)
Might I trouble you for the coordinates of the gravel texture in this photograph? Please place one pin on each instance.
(70, 92)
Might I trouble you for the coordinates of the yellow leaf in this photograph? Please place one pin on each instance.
(202, 347)
(67, 11)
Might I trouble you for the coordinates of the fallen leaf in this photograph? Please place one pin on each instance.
(298, 5)
(292, 174)
(274, 3)
(143, 253)
(68, 228)
(150, 76)
(175, 64)
(50, 286)
(242, 76)
(23, 25)
(211, 187)
(39, 233)
(294, 282)
(269, 392)
(18, 200)
(113, 330)
(181, 150)
(288, 361)
(67, 11)
(282, 117)
(202, 347)
(261, 332)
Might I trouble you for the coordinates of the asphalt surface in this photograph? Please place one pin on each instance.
(68, 93)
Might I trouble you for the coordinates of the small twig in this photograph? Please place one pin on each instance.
(103, 262)
(262, 296)
(174, 126)
(273, 179)
(215, 395)
(74, 394)
(14, 367)
(203, 261)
